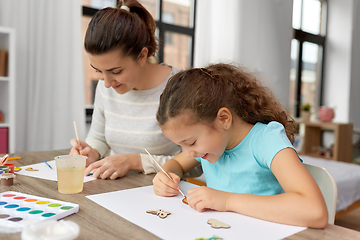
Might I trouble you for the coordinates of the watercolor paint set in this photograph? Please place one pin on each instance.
(24, 209)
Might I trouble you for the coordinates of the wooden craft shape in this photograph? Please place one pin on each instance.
(217, 224)
(159, 212)
(31, 169)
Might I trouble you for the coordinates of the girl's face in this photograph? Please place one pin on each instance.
(197, 140)
(120, 73)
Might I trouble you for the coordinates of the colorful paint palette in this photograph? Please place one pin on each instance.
(24, 209)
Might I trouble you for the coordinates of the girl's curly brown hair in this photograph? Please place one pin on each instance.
(205, 90)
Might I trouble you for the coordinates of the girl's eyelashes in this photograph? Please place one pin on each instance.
(193, 143)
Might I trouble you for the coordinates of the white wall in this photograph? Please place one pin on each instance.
(355, 66)
(338, 58)
(256, 34)
(268, 46)
(342, 66)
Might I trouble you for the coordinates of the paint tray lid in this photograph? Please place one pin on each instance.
(51, 230)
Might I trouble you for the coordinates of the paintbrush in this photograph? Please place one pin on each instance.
(4, 159)
(163, 171)
(77, 136)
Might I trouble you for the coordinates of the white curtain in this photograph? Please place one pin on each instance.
(217, 32)
(256, 34)
(49, 73)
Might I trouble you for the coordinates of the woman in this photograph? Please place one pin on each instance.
(119, 42)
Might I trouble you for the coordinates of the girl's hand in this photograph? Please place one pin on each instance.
(115, 166)
(84, 149)
(163, 186)
(202, 198)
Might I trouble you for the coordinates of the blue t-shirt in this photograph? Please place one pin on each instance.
(246, 167)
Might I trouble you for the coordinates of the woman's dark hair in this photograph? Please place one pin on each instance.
(117, 28)
(204, 91)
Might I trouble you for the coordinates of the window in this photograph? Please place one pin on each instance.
(307, 51)
(175, 30)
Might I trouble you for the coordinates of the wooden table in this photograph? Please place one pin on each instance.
(99, 223)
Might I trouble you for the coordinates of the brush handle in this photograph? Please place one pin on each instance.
(163, 170)
(77, 136)
(159, 165)
(182, 193)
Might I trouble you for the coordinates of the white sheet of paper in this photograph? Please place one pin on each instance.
(185, 222)
(45, 172)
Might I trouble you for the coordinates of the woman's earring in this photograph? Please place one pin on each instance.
(225, 126)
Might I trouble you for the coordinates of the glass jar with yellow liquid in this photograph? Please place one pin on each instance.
(70, 173)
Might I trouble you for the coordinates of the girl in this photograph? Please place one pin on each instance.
(224, 119)
(119, 42)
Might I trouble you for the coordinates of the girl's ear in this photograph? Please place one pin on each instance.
(224, 117)
(142, 58)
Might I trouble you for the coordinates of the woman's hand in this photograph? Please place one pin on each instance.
(84, 149)
(115, 166)
(202, 198)
(163, 186)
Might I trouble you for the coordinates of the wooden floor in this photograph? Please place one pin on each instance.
(350, 220)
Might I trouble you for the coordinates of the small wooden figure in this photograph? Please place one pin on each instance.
(217, 224)
(159, 212)
(31, 169)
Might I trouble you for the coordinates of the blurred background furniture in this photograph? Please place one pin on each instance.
(342, 148)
